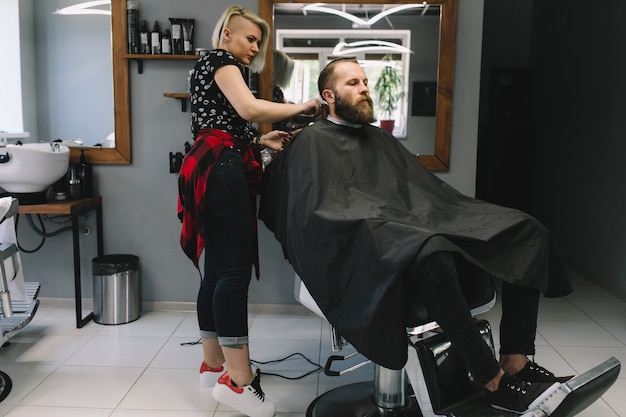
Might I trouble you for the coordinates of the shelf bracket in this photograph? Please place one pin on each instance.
(183, 97)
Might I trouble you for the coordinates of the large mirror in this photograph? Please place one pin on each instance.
(121, 153)
(439, 16)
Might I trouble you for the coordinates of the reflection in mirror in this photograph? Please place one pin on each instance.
(312, 37)
(83, 93)
(81, 107)
(84, 89)
(113, 73)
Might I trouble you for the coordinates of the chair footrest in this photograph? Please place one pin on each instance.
(444, 373)
(23, 312)
(31, 291)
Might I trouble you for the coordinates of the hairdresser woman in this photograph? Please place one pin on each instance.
(218, 180)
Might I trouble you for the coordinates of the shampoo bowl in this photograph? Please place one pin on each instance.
(32, 167)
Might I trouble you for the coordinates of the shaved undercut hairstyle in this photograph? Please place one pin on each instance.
(258, 62)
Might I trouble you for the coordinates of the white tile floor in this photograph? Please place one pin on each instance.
(141, 369)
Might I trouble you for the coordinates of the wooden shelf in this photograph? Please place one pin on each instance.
(164, 57)
(158, 57)
(183, 97)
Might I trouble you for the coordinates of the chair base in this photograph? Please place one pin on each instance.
(357, 400)
(5, 385)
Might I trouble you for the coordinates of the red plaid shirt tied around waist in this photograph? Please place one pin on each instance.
(192, 182)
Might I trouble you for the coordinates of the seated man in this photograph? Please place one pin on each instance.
(365, 225)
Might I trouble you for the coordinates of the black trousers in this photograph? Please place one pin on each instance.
(445, 302)
(222, 304)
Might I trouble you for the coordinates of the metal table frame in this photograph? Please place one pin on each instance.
(74, 208)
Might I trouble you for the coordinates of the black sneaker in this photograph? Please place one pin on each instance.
(519, 396)
(536, 373)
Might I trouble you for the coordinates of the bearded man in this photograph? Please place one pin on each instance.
(366, 226)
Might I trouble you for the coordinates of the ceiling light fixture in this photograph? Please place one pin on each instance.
(371, 45)
(320, 7)
(85, 8)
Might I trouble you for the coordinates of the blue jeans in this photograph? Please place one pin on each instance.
(222, 304)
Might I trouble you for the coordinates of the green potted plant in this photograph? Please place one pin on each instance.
(388, 92)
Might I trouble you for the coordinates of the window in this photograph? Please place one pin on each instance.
(11, 119)
(311, 50)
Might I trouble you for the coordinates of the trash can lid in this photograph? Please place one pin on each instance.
(112, 264)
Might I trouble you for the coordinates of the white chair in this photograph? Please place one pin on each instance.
(15, 314)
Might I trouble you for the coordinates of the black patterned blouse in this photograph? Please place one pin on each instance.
(209, 106)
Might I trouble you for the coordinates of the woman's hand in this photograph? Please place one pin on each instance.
(275, 139)
(314, 108)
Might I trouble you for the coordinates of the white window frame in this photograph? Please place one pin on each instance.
(11, 117)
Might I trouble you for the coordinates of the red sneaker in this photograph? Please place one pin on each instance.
(208, 375)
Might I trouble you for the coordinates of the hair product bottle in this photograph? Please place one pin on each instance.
(155, 39)
(144, 38)
(166, 45)
(132, 20)
(177, 36)
(85, 175)
(188, 35)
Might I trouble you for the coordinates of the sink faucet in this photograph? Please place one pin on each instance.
(54, 146)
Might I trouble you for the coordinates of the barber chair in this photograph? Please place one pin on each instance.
(438, 383)
(17, 313)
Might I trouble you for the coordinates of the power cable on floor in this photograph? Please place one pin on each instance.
(317, 366)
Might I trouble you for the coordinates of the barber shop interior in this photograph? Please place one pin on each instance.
(501, 126)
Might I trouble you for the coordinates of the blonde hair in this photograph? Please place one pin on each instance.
(282, 68)
(258, 62)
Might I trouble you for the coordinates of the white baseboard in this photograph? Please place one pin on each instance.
(181, 306)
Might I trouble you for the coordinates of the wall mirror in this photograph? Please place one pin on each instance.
(435, 44)
(121, 153)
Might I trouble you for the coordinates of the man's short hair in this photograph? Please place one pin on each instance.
(326, 80)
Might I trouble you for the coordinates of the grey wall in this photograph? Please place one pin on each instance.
(578, 65)
(140, 199)
(577, 166)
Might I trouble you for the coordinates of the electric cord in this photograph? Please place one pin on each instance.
(43, 238)
(196, 342)
(41, 230)
(317, 366)
(58, 219)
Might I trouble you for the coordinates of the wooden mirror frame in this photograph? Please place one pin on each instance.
(445, 77)
(121, 154)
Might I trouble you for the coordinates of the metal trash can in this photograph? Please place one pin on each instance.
(116, 289)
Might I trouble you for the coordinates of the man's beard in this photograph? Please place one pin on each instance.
(361, 112)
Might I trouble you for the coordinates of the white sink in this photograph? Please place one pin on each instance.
(32, 167)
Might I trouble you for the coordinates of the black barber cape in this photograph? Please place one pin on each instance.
(356, 214)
